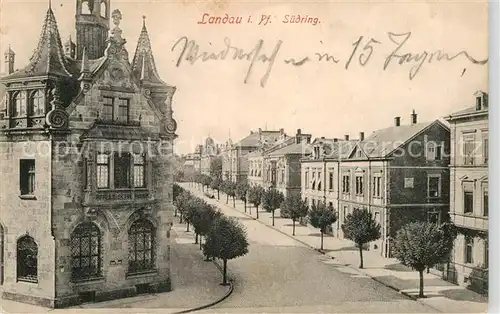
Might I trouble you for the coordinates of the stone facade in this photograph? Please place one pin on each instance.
(469, 195)
(395, 173)
(86, 146)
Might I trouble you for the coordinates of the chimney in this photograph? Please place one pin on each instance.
(322, 137)
(282, 131)
(299, 131)
(397, 121)
(413, 117)
(335, 140)
(346, 137)
(361, 136)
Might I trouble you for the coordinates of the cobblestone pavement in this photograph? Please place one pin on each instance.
(194, 282)
(280, 274)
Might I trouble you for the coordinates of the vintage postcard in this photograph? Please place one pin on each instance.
(244, 156)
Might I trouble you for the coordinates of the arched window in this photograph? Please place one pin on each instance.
(27, 259)
(141, 243)
(19, 105)
(37, 101)
(87, 6)
(104, 9)
(86, 251)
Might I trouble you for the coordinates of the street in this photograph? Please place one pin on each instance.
(281, 275)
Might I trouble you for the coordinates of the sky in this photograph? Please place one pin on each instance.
(319, 97)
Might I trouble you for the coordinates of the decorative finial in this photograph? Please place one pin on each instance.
(116, 16)
(143, 21)
(50, 4)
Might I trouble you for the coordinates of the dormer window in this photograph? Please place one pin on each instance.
(479, 102)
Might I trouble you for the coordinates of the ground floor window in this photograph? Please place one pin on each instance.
(27, 259)
(469, 246)
(86, 251)
(141, 246)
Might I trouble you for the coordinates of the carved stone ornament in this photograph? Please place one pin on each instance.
(91, 212)
(171, 126)
(57, 118)
(116, 16)
(86, 87)
(147, 93)
(117, 74)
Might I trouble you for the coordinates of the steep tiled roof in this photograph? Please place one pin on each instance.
(384, 141)
(254, 139)
(143, 64)
(48, 57)
(295, 148)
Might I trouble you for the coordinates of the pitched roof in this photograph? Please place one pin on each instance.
(467, 111)
(335, 149)
(382, 142)
(296, 148)
(254, 139)
(48, 57)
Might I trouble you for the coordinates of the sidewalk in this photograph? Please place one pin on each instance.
(194, 283)
(440, 294)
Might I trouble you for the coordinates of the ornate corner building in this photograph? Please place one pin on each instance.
(85, 152)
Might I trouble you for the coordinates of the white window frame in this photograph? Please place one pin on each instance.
(439, 184)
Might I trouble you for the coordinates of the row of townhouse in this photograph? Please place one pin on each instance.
(278, 165)
(419, 171)
(432, 171)
(469, 194)
(235, 159)
(399, 173)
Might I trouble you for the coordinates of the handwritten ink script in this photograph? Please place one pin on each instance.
(359, 54)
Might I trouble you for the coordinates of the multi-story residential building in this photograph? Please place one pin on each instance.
(320, 175)
(237, 156)
(192, 164)
(283, 166)
(257, 172)
(85, 152)
(469, 194)
(280, 164)
(400, 174)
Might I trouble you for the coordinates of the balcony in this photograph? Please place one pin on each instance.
(27, 122)
(470, 221)
(117, 196)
